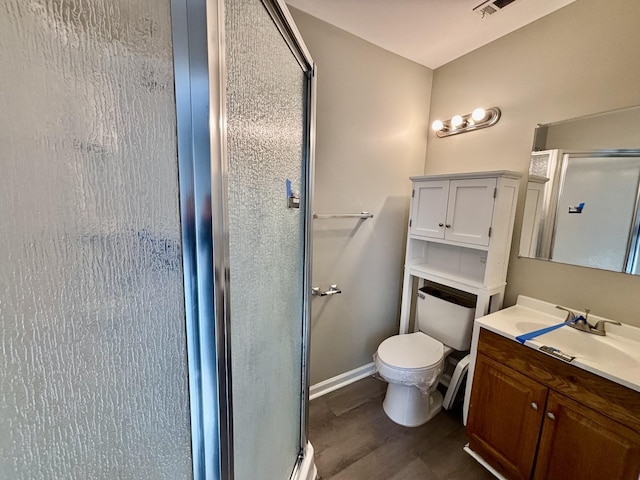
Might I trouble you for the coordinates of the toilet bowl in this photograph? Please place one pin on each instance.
(413, 363)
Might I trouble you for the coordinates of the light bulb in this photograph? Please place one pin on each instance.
(479, 114)
(437, 125)
(457, 121)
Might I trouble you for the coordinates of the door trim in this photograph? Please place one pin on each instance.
(199, 82)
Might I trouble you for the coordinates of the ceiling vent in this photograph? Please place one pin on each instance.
(491, 6)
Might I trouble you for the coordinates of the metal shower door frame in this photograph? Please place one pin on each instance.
(200, 72)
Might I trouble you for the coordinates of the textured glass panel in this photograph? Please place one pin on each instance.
(265, 148)
(540, 163)
(93, 372)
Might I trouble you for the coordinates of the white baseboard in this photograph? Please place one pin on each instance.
(342, 380)
(483, 462)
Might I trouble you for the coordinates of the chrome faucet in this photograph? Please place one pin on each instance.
(581, 323)
(571, 317)
(598, 328)
(578, 322)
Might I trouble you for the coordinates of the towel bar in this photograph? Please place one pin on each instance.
(361, 215)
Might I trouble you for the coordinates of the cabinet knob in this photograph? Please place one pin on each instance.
(448, 226)
(534, 405)
(441, 224)
(551, 416)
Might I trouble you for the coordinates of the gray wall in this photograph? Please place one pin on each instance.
(372, 121)
(579, 60)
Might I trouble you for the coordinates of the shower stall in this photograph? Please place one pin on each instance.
(155, 209)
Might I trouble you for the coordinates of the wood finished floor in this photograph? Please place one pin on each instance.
(354, 440)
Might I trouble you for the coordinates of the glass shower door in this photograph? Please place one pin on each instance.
(93, 365)
(266, 150)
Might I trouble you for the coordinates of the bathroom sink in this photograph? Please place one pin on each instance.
(587, 347)
(615, 356)
(530, 326)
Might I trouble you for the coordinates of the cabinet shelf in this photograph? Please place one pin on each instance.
(444, 241)
(427, 272)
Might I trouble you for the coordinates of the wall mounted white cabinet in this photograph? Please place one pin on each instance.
(456, 210)
(460, 229)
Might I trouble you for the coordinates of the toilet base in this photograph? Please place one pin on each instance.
(407, 406)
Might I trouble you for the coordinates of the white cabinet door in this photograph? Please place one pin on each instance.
(532, 218)
(470, 210)
(429, 208)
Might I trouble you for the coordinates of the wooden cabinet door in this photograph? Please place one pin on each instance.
(505, 415)
(580, 443)
(470, 210)
(429, 208)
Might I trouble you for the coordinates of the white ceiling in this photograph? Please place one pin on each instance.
(429, 32)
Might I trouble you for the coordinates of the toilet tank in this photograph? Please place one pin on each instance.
(446, 316)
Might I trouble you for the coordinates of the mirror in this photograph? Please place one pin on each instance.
(582, 200)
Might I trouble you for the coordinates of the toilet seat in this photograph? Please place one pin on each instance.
(413, 351)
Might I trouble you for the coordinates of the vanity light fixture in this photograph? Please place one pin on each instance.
(479, 118)
(457, 121)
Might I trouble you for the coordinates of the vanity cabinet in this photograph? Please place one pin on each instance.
(459, 235)
(532, 416)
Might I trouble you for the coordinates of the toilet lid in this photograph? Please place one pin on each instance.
(414, 350)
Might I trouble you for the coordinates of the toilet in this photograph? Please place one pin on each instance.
(413, 364)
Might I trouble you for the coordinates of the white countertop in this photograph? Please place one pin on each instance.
(615, 356)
